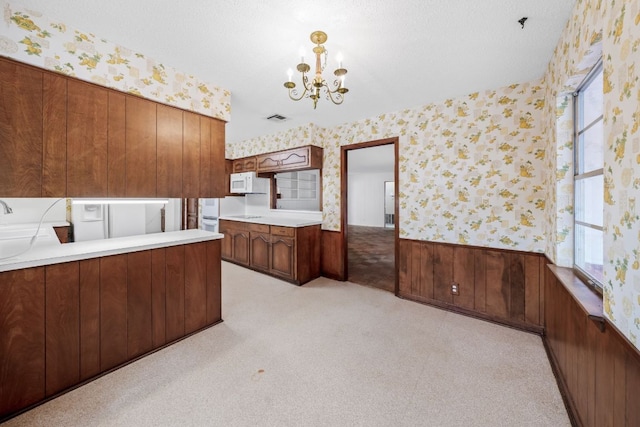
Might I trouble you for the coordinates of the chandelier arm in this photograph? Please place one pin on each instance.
(339, 99)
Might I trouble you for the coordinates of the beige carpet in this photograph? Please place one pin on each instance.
(325, 354)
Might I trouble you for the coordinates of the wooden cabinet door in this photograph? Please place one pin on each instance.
(227, 244)
(113, 311)
(175, 292)
(20, 130)
(89, 318)
(260, 248)
(269, 162)
(195, 287)
(139, 308)
(241, 246)
(169, 152)
(87, 114)
(54, 143)
(219, 183)
(245, 164)
(140, 136)
(22, 338)
(62, 326)
(214, 282)
(116, 180)
(283, 256)
(206, 165)
(191, 155)
(158, 296)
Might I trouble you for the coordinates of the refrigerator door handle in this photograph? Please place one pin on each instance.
(107, 221)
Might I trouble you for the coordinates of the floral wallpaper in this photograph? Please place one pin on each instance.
(297, 137)
(610, 29)
(29, 37)
(469, 167)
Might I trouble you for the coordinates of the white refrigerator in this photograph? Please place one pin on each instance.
(94, 222)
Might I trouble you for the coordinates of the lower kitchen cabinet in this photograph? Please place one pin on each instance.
(64, 324)
(289, 253)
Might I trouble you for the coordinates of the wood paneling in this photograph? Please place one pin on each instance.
(87, 114)
(169, 152)
(158, 297)
(442, 273)
(497, 283)
(493, 284)
(113, 311)
(175, 276)
(89, 318)
(140, 136)
(214, 282)
(206, 160)
(62, 326)
(191, 155)
(117, 148)
(219, 178)
(54, 144)
(597, 371)
(195, 287)
(307, 257)
(139, 304)
(332, 255)
(20, 134)
(22, 338)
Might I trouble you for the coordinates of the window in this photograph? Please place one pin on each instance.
(588, 180)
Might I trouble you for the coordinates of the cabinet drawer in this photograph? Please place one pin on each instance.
(260, 228)
(283, 231)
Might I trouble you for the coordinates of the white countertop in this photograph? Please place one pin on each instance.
(273, 220)
(47, 255)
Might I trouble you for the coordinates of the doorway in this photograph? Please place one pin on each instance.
(369, 183)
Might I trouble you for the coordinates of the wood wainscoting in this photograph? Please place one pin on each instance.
(332, 255)
(498, 285)
(597, 369)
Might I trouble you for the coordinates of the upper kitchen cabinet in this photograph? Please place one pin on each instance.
(245, 164)
(169, 152)
(140, 137)
(63, 137)
(20, 130)
(308, 157)
(191, 155)
(219, 185)
(54, 143)
(87, 118)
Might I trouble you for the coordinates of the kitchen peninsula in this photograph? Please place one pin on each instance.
(70, 314)
(282, 246)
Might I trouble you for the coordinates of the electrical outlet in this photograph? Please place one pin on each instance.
(454, 288)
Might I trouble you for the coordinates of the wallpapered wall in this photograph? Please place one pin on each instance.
(613, 29)
(31, 38)
(469, 167)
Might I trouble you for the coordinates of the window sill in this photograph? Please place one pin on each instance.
(588, 300)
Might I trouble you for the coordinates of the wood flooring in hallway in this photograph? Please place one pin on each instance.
(372, 256)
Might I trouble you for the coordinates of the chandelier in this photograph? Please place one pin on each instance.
(314, 87)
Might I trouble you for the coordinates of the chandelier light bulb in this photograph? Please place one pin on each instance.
(339, 59)
(302, 52)
(289, 73)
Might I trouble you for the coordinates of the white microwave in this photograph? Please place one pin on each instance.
(248, 182)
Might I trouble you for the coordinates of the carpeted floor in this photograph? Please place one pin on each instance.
(325, 354)
(371, 256)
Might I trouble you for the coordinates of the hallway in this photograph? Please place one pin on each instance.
(371, 256)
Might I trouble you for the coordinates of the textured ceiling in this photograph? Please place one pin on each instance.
(400, 54)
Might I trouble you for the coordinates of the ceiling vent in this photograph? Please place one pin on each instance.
(277, 118)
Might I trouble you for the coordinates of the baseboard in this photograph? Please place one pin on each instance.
(525, 327)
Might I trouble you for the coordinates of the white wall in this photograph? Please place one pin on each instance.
(365, 201)
(30, 210)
